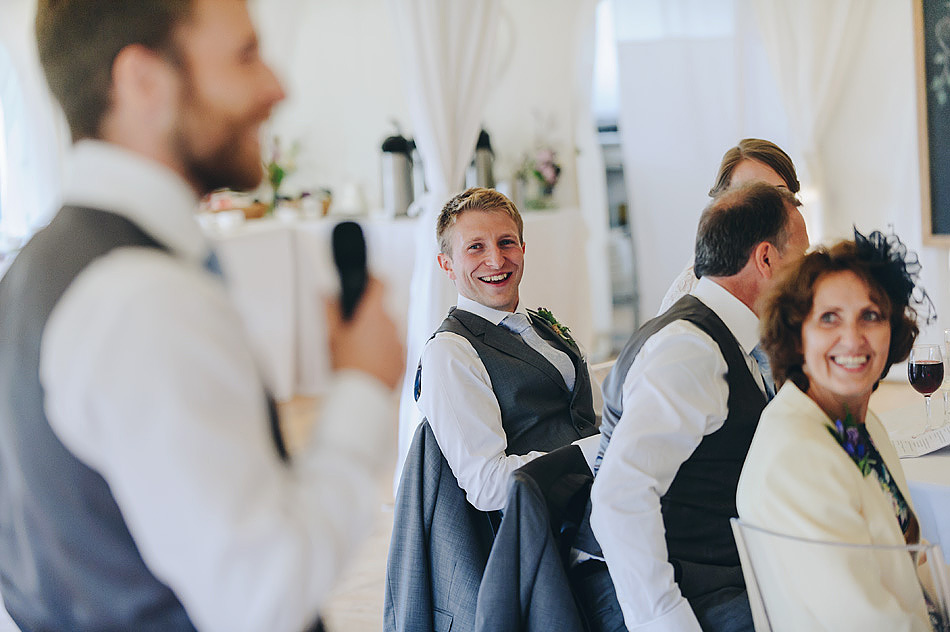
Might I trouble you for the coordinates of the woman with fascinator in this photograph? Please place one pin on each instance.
(821, 466)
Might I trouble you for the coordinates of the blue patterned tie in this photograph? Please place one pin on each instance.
(762, 359)
(519, 324)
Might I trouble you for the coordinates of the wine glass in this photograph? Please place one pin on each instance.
(925, 371)
(946, 375)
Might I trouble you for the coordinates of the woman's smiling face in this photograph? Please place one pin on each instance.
(845, 342)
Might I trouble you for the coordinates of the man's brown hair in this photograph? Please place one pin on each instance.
(734, 223)
(79, 40)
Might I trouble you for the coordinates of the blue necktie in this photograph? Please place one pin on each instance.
(762, 359)
(212, 264)
(519, 324)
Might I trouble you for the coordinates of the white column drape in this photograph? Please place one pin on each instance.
(591, 181)
(34, 131)
(811, 46)
(446, 52)
(680, 95)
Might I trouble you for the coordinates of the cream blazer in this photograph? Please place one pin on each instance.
(797, 480)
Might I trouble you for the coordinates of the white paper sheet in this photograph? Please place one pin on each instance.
(905, 426)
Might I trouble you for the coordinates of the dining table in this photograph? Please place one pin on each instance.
(901, 409)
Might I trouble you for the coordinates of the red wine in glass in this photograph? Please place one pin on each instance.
(926, 376)
(925, 372)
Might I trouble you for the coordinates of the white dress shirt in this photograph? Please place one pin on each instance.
(674, 394)
(149, 380)
(458, 401)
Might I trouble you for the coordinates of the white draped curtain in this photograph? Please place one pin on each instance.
(446, 50)
(811, 45)
(692, 83)
(33, 133)
(591, 179)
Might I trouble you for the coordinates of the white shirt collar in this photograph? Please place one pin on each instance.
(740, 320)
(494, 316)
(110, 178)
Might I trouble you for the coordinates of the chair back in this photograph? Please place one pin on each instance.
(795, 583)
(932, 508)
(598, 373)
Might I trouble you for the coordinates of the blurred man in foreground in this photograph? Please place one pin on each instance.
(144, 484)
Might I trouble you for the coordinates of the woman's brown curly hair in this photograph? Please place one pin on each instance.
(789, 303)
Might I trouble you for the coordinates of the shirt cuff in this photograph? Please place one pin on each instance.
(589, 446)
(680, 619)
(357, 418)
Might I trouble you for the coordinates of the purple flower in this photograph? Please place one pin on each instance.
(839, 426)
(852, 435)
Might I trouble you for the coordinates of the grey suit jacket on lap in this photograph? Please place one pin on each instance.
(422, 594)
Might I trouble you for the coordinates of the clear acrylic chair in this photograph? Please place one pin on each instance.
(797, 584)
(598, 373)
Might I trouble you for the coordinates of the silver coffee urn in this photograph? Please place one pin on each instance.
(396, 177)
(479, 173)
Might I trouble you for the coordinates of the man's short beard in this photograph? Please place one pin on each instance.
(222, 168)
(219, 170)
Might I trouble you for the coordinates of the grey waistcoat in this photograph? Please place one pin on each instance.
(538, 412)
(702, 497)
(67, 559)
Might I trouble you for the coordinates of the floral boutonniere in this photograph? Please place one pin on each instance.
(854, 442)
(561, 330)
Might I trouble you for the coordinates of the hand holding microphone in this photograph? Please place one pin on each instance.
(362, 335)
(349, 255)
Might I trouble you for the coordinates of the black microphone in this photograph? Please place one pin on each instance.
(349, 255)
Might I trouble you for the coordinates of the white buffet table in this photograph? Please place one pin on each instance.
(278, 271)
(260, 268)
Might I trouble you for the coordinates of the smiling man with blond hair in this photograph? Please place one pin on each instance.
(499, 386)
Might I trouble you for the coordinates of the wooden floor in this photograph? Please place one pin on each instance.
(356, 605)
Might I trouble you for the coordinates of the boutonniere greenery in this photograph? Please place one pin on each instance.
(561, 330)
(854, 442)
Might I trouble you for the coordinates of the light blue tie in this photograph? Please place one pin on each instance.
(212, 264)
(519, 324)
(762, 359)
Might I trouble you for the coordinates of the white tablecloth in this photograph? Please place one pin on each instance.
(390, 256)
(928, 476)
(278, 272)
(259, 263)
